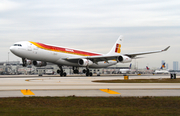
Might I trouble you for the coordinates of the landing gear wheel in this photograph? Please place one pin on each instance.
(84, 71)
(87, 72)
(76, 71)
(90, 74)
(61, 74)
(64, 74)
(58, 71)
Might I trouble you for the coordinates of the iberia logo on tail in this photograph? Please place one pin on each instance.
(118, 48)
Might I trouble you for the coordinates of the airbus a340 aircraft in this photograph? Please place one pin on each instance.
(38, 54)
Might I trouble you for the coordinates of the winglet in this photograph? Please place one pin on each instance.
(166, 48)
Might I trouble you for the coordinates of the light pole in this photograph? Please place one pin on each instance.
(8, 57)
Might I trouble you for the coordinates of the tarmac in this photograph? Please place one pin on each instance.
(82, 86)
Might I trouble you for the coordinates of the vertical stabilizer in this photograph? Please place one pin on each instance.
(116, 49)
(163, 66)
(147, 68)
(130, 66)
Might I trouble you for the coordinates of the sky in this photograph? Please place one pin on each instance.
(146, 25)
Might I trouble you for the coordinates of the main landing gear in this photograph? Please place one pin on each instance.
(88, 73)
(61, 72)
(76, 71)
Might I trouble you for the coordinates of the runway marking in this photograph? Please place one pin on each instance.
(109, 91)
(27, 92)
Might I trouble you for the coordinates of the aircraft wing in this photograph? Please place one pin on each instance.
(133, 55)
(98, 58)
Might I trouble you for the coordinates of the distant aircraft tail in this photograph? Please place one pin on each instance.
(163, 66)
(130, 66)
(147, 68)
(116, 49)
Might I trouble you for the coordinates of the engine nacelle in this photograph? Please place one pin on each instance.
(39, 63)
(124, 59)
(85, 62)
(28, 62)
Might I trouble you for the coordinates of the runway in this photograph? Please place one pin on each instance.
(23, 85)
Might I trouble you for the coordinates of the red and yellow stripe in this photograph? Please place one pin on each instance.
(63, 50)
(118, 48)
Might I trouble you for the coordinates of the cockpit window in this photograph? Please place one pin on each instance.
(18, 45)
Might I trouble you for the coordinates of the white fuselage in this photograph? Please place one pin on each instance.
(30, 51)
(161, 72)
(125, 71)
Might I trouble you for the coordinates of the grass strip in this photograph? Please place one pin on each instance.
(140, 81)
(103, 106)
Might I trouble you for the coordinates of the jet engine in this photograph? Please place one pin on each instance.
(39, 63)
(28, 62)
(124, 59)
(85, 62)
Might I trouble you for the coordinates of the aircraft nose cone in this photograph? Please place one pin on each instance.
(12, 49)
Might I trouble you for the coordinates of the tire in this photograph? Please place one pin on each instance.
(90, 74)
(76, 71)
(84, 71)
(64, 74)
(61, 74)
(58, 71)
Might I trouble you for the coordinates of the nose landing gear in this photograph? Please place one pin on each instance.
(24, 62)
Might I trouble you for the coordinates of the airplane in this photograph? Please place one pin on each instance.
(125, 71)
(149, 70)
(39, 54)
(161, 70)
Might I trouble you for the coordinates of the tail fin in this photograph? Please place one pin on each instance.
(163, 66)
(147, 68)
(116, 49)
